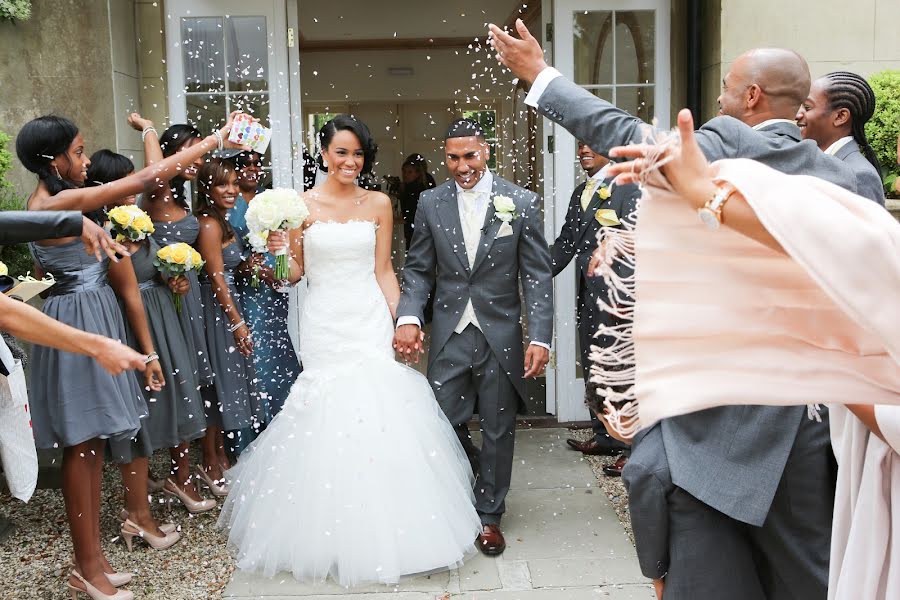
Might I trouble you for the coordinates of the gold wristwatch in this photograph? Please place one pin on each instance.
(711, 212)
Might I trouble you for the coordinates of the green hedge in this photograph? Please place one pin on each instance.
(15, 256)
(884, 127)
(15, 10)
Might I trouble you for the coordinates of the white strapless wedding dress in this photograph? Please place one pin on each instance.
(360, 477)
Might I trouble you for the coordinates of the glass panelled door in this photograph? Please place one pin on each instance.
(618, 50)
(226, 55)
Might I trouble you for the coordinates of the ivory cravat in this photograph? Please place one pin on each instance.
(589, 188)
(473, 216)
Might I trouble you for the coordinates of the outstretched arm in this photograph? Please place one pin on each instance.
(28, 323)
(144, 181)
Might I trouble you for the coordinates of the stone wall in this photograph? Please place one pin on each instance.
(59, 61)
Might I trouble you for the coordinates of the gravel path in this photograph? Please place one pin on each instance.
(33, 561)
(611, 486)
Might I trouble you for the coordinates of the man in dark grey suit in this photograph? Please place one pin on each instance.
(768, 470)
(478, 237)
(578, 239)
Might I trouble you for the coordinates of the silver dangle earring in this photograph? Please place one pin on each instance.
(58, 176)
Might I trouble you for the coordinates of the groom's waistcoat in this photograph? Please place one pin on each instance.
(490, 280)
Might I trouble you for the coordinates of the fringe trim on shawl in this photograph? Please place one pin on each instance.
(613, 367)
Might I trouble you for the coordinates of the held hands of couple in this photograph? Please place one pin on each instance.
(523, 56)
(409, 342)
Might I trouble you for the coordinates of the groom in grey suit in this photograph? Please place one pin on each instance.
(754, 484)
(476, 238)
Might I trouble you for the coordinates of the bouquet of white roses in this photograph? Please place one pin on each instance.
(177, 259)
(129, 223)
(271, 210)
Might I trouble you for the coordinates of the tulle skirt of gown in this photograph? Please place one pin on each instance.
(361, 477)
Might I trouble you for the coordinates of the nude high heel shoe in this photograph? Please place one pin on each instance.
(193, 506)
(130, 531)
(95, 594)
(164, 527)
(219, 488)
(115, 579)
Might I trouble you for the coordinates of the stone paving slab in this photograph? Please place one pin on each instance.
(564, 542)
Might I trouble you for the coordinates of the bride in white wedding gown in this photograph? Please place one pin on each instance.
(360, 477)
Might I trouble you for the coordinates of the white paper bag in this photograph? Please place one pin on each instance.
(17, 452)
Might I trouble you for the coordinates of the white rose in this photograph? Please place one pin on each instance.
(258, 240)
(504, 204)
(266, 214)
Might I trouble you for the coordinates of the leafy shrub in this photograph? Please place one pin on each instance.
(16, 256)
(884, 126)
(15, 10)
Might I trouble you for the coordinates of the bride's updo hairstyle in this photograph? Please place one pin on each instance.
(359, 129)
(39, 142)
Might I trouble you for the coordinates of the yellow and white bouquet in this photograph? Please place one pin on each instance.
(129, 223)
(3, 269)
(177, 259)
(271, 210)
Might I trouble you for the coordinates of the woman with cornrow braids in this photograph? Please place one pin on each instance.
(834, 116)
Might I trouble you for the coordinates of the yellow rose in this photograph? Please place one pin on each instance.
(604, 192)
(164, 253)
(143, 223)
(3, 269)
(180, 254)
(120, 216)
(196, 259)
(607, 217)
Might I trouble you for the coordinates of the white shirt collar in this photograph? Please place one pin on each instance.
(768, 122)
(601, 174)
(484, 185)
(833, 149)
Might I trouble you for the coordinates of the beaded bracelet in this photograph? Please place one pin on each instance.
(220, 142)
(151, 357)
(236, 326)
(148, 130)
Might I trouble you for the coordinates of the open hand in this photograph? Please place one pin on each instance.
(96, 240)
(524, 57)
(685, 168)
(115, 356)
(536, 359)
(409, 342)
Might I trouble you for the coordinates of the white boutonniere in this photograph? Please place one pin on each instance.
(504, 208)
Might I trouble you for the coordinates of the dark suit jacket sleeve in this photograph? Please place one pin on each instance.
(536, 274)
(29, 226)
(649, 508)
(563, 249)
(419, 270)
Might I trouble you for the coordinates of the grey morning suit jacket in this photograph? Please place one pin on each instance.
(18, 226)
(868, 182)
(730, 458)
(438, 255)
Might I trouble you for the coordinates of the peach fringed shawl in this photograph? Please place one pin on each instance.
(720, 319)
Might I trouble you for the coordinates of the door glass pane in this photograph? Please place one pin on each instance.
(206, 111)
(635, 34)
(488, 120)
(202, 47)
(637, 100)
(248, 54)
(593, 47)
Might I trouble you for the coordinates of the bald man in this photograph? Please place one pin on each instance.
(750, 516)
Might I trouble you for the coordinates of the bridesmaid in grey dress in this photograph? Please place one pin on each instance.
(237, 405)
(176, 412)
(169, 208)
(75, 404)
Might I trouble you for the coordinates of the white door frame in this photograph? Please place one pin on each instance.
(561, 181)
(280, 83)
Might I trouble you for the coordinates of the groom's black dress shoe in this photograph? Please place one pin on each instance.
(592, 447)
(491, 542)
